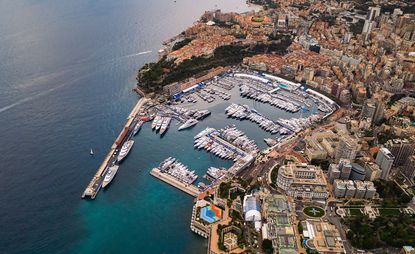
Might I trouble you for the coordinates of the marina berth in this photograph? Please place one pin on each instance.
(177, 170)
(137, 127)
(228, 143)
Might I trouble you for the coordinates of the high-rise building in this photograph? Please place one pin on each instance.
(372, 110)
(357, 173)
(402, 149)
(346, 149)
(369, 21)
(350, 189)
(360, 189)
(384, 160)
(339, 188)
(409, 168)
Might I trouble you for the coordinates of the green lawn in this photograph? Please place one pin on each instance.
(389, 211)
(355, 211)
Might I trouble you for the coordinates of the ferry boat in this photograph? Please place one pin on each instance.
(189, 123)
(111, 172)
(125, 149)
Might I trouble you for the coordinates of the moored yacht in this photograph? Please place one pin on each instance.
(109, 175)
(189, 123)
(125, 149)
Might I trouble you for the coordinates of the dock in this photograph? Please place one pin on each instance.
(188, 188)
(95, 184)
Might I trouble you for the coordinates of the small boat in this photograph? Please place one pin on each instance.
(91, 152)
(137, 127)
(110, 175)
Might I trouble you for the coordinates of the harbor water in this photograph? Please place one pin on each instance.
(66, 76)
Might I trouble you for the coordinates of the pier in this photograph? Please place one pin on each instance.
(95, 184)
(188, 188)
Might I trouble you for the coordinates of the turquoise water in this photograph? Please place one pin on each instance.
(66, 73)
(66, 76)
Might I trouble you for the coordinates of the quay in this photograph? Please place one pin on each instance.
(95, 184)
(188, 188)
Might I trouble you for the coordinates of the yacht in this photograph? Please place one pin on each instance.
(155, 121)
(137, 127)
(109, 175)
(125, 149)
(189, 123)
(165, 125)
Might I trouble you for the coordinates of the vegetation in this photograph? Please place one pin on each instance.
(323, 164)
(391, 193)
(224, 189)
(181, 44)
(300, 227)
(357, 28)
(154, 76)
(274, 174)
(355, 212)
(267, 246)
(392, 230)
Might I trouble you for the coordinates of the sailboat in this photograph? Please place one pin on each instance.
(91, 152)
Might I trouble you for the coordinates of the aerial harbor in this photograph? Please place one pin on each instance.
(259, 126)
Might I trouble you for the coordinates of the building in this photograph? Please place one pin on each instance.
(339, 188)
(357, 173)
(373, 171)
(350, 189)
(401, 149)
(322, 237)
(346, 149)
(360, 189)
(340, 171)
(373, 111)
(409, 168)
(278, 227)
(384, 160)
(370, 189)
(353, 189)
(302, 181)
(252, 210)
(370, 19)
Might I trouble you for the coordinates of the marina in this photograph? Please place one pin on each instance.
(227, 143)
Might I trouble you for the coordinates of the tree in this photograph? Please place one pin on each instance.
(267, 246)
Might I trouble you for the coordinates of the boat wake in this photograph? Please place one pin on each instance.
(139, 53)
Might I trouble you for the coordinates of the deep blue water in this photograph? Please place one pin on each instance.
(66, 73)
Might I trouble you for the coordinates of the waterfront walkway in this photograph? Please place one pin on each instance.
(188, 188)
(95, 184)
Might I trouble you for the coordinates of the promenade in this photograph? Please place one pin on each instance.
(95, 184)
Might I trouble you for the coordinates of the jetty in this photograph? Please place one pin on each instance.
(95, 184)
(188, 188)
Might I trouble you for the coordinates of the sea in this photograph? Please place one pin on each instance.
(66, 73)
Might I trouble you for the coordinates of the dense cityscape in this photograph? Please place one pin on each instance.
(214, 126)
(341, 180)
